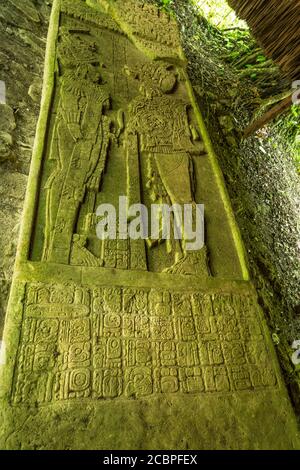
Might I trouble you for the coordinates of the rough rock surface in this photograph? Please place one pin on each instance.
(23, 31)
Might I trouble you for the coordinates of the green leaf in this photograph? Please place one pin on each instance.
(261, 58)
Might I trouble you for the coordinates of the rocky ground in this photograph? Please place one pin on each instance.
(23, 31)
(260, 173)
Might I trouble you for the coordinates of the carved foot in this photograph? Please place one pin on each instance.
(81, 256)
(194, 263)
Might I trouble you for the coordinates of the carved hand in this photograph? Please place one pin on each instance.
(75, 131)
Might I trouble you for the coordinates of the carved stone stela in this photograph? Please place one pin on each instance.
(106, 331)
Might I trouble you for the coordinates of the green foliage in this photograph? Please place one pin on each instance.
(261, 58)
(289, 127)
(165, 5)
(236, 46)
(218, 13)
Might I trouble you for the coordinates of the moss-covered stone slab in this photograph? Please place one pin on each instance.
(131, 344)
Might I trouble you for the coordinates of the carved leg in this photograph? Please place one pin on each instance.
(174, 168)
(72, 196)
(61, 151)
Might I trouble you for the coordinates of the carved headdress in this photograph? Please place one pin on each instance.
(74, 51)
(157, 75)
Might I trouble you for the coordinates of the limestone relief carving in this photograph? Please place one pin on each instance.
(80, 144)
(159, 131)
(158, 138)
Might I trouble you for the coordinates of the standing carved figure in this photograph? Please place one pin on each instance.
(79, 147)
(160, 128)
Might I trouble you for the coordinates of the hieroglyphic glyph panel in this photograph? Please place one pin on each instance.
(112, 342)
